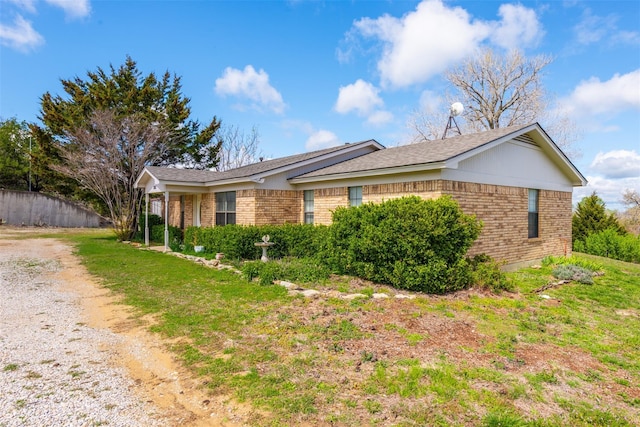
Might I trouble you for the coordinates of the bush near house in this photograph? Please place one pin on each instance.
(409, 243)
(238, 241)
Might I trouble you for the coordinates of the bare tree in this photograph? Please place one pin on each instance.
(237, 148)
(630, 218)
(500, 90)
(106, 158)
(497, 90)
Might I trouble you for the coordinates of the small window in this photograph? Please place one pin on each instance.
(533, 213)
(308, 206)
(355, 196)
(182, 203)
(226, 208)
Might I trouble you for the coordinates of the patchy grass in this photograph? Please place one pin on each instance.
(469, 358)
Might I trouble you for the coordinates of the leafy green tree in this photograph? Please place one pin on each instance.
(14, 154)
(591, 217)
(123, 99)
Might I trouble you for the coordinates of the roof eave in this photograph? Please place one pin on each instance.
(371, 172)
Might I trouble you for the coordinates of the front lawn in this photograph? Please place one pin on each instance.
(569, 355)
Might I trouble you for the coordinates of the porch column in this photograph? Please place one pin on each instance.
(146, 219)
(166, 221)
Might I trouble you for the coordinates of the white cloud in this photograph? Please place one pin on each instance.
(518, 28)
(592, 29)
(617, 164)
(28, 5)
(609, 190)
(21, 36)
(428, 40)
(594, 97)
(322, 139)
(252, 85)
(380, 118)
(422, 43)
(360, 96)
(73, 8)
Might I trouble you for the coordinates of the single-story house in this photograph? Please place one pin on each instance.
(515, 179)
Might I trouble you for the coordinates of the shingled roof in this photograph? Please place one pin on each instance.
(426, 152)
(202, 176)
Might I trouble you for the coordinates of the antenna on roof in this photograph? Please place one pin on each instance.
(456, 109)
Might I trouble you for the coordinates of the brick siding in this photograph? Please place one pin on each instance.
(502, 209)
(325, 201)
(261, 207)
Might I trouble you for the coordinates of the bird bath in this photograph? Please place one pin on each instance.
(264, 245)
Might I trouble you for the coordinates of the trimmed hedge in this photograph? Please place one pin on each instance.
(238, 241)
(409, 243)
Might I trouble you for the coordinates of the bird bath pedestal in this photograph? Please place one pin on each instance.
(264, 245)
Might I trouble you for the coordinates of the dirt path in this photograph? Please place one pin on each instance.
(158, 378)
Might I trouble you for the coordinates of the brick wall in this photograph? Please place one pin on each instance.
(260, 207)
(382, 192)
(188, 210)
(174, 211)
(502, 209)
(325, 201)
(207, 210)
(246, 207)
(504, 213)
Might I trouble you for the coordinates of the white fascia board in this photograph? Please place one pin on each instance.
(563, 161)
(231, 181)
(145, 172)
(368, 173)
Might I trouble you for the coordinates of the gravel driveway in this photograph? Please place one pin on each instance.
(55, 370)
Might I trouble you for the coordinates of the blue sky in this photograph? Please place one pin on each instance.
(311, 74)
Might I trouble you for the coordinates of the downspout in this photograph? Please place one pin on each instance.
(146, 219)
(166, 221)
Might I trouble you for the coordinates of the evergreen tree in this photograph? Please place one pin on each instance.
(591, 217)
(14, 154)
(74, 140)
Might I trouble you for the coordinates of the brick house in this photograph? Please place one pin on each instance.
(516, 180)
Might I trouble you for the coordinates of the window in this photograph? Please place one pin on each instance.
(182, 203)
(226, 208)
(355, 196)
(308, 206)
(533, 213)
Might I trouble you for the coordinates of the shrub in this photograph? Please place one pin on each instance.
(486, 274)
(409, 243)
(153, 221)
(305, 270)
(156, 234)
(609, 243)
(573, 272)
(238, 241)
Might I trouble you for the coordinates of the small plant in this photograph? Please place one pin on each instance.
(486, 274)
(10, 367)
(573, 272)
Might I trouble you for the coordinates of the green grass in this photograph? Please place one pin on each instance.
(395, 362)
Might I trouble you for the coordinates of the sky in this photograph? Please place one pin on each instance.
(314, 74)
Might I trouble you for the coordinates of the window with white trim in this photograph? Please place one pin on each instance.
(534, 196)
(355, 196)
(226, 208)
(308, 206)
